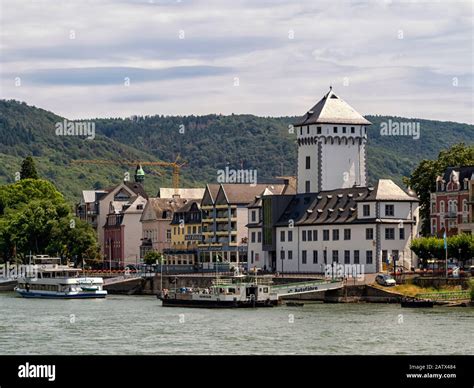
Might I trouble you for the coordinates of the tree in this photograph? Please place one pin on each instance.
(152, 257)
(423, 178)
(34, 217)
(28, 169)
(460, 246)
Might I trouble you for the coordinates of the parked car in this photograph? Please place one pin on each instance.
(471, 270)
(385, 280)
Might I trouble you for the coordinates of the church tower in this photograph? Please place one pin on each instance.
(331, 139)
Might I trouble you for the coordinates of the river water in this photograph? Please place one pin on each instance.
(140, 325)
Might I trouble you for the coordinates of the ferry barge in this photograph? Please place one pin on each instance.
(224, 293)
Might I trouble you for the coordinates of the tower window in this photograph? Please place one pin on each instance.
(318, 129)
(307, 186)
(335, 129)
(308, 162)
(344, 130)
(353, 130)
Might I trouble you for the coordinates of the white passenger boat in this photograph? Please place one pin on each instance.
(52, 280)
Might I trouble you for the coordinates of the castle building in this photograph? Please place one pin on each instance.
(331, 139)
(335, 217)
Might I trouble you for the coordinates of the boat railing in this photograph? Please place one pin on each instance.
(221, 282)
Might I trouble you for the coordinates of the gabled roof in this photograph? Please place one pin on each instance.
(187, 207)
(387, 190)
(160, 205)
(325, 207)
(338, 206)
(243, 194)
(332, 110)
(137, 188)
(465, 172)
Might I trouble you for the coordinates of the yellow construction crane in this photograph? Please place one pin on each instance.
(176, 165)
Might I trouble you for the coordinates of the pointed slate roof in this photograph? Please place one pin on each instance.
(332, 110)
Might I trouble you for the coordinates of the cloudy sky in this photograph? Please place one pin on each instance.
(108, 58)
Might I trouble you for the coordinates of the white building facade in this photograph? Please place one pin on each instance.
(335, 217)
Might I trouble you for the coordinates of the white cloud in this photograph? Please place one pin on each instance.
(277, 75)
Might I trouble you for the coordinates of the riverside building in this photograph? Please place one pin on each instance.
(335, 217)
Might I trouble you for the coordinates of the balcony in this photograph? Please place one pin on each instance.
(451, 214)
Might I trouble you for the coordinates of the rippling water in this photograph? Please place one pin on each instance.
(139, 325)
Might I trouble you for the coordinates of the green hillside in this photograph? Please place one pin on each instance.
(207, 143)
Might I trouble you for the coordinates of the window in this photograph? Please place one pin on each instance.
(366, 210)
(356, 257)
(303, 257)
(441, 207)
(335, 129)
(326, 235)
(318, 130)
(290, 255)
(168, 235)
(253, 237)
(308, 162)
(344, 130)
(254, 215)
(310, 235)
(353, 130)
(347, 257)
(347, 234)
(389, 233)
(290, 235)
(368, 257)
(282, 235)
(335, 256)
(307, 186)
(335, 234)
(304, 235)
(369, 233)
(315, 257)
(251, 256)
(402, 233)
(389, 210)
(301, 130)
(282, 255)
(395, 254)
(384, 256)
(315, 235)
(307, 129)
(194, 230)
(325, 256)
(259, 237)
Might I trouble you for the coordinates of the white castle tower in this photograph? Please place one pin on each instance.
(332, 139)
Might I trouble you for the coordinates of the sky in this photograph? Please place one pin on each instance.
(117, 58)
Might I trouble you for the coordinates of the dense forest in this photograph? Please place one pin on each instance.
(206, 143)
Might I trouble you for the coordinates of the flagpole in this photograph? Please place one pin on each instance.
(446, 251)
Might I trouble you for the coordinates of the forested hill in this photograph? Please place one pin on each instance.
(207, 143)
